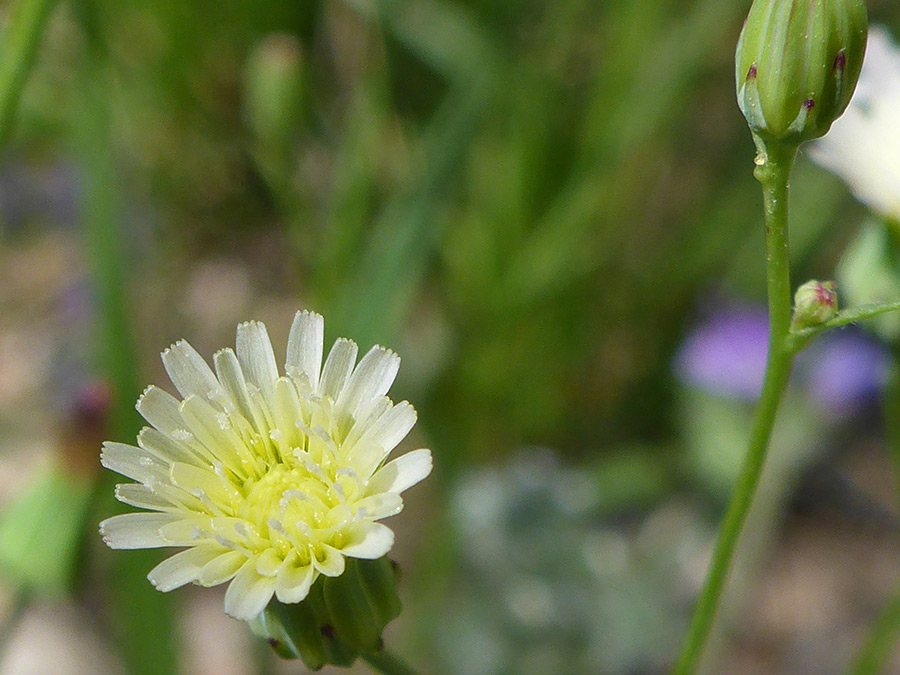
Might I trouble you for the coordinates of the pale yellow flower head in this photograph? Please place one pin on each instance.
(267, 480)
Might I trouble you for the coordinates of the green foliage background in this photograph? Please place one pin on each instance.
(528, 200)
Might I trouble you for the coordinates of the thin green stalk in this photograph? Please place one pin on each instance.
(20, 43)
(143, 617)
(388, 664)
(800, 338)
(773, 172)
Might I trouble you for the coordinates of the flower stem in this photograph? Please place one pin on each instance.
(773, 171)
(388, 664)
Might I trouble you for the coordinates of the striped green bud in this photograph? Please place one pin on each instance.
(341, 618)
(797, 65)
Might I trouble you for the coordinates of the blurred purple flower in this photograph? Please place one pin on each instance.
(844, 371)
(726, 355)
(43, 193)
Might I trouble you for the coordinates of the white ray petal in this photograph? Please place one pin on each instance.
(286, 412)
(368, 540)
(863, 146)
(382, 437)
(231, 377)
(246, 397)
(167, 450)
(160, 409)
(213, 431)
(364, 423)
(337, 368)
(199, 481)
(248, 593)
(371, 378)
(221, 568)
(305, 346)
(136, 530)
(328, 561)
(378, 506)
(181, 568)
(401, 473)
(293, 582)
(142, 497)
(189, 372)
(132, 462)
(254, 352)
(269, 562)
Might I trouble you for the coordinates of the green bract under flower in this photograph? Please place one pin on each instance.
(268, 480)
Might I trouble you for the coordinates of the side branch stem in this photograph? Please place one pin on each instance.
(773, 172)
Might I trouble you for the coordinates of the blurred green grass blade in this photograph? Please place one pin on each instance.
(704, 248)
(356, 181)
(441, 34)
(661, 65)
(19, 43)
(40, 532)
(606, 180)
(372, 303)
(374, 300)
(143, 617)
(107, 253)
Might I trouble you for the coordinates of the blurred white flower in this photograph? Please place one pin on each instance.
(267, 480)
(863, 146)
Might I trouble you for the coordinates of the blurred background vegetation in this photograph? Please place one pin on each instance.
(533, 203)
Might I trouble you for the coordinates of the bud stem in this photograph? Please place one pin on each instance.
(800, 338)
(774, 164)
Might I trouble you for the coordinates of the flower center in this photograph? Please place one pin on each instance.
(292, 495)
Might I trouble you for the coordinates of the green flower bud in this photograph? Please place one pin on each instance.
(797, 65)
(815, 303)
(341, 618)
